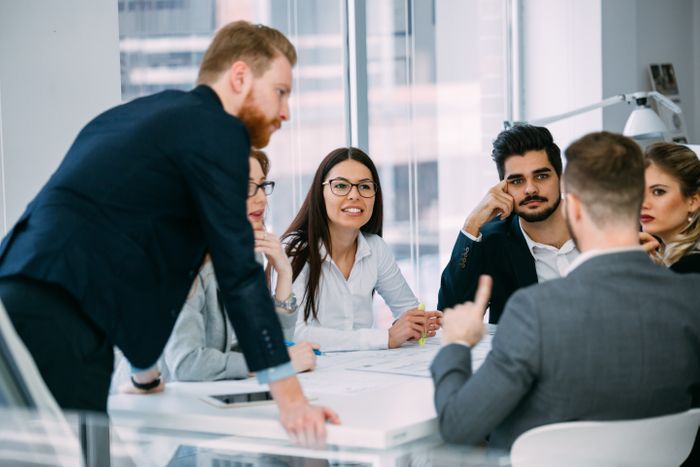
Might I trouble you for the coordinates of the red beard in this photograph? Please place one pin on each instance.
(258, 125)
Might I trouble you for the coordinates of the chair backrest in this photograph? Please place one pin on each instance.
(657, 441)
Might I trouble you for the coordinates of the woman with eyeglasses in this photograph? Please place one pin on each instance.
(339, 260)
(670, 214)
(203, 346)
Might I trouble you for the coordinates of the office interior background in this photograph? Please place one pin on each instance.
(423, 85)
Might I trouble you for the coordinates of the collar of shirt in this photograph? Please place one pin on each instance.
(536, 247)
(583, 257)
(363, 249)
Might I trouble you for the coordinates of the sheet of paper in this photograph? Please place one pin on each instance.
(414, 360)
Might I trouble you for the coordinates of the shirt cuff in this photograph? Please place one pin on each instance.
(472, 237)
(379, 340)
(275, 373)
(134, 370)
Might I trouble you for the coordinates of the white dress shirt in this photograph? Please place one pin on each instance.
(345, 315)
(550, 262)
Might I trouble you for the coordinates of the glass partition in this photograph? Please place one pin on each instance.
(162, 44)
(28, 438)
(431, 95)
(436, 74)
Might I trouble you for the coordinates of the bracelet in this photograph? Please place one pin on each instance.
(146, 386)
(289, 305)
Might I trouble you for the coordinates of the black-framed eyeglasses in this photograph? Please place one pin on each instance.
(267, 188)
(341, 187)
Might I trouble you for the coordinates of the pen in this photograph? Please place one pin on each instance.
(290, 343)
(421, 341)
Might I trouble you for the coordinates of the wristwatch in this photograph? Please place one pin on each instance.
(289, 305)
(146, 386)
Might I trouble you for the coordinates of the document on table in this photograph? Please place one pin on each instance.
(414, 360)
(337, 383)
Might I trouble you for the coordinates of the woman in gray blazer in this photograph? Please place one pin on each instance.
(203, 345)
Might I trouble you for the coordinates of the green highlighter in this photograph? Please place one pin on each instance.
(421, 341)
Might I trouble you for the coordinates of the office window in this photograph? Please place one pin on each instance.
(434, 97)
(162, 44)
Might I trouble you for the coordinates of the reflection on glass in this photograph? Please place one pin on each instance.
(436, 89)
(28, 438)
(436, 99)
(162, 44)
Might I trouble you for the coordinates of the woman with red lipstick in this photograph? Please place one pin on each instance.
(670, 214)
(339, 260)
(203, 344)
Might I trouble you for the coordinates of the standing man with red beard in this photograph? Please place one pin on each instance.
(106, 253)
(517, 233)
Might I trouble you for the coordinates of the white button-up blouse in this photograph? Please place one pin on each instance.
(345, 318)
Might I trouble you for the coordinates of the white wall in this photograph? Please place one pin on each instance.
(619, 58)
(639, 32)
(562, 67)
(580, 52)
(59, 67)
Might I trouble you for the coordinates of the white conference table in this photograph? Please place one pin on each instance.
(384, 398)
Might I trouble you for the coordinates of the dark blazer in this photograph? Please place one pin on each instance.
(687, 264)
(502, 253)
(123, 225)
(618, 338)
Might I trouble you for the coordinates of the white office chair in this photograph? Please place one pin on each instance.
(657, 441)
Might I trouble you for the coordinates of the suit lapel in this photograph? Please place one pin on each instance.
(519, 255)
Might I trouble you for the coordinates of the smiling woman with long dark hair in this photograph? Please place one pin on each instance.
(339, 259)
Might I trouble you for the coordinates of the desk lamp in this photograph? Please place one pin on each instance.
(642, 124)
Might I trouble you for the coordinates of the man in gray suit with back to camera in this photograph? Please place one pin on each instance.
(617, 338)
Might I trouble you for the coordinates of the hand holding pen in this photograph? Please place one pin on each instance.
(303, 355)
(433, 322)
(412, 325)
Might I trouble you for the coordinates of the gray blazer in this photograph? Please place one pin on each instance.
(203, 345)
(618, 338)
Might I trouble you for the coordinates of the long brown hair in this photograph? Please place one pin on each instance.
(309, 229)
(682, 164)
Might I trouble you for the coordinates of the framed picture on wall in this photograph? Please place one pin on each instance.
(663, 80)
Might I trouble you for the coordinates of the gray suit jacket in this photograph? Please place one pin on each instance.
(618, 338)
(203, 345)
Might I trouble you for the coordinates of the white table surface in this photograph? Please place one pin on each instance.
(384, 398)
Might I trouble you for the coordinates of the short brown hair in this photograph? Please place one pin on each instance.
(255, 44)
(262, 158)
(606, 171)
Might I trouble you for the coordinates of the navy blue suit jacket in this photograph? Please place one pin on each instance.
(123, 225)
(502, 253)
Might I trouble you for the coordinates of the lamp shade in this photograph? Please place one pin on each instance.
(644, 123)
